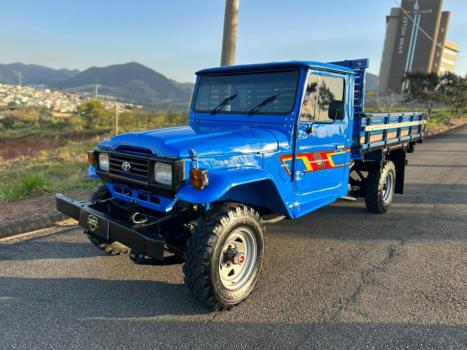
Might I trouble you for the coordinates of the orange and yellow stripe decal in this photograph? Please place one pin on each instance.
(315, 161)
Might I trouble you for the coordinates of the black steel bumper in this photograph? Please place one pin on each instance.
(92, 218)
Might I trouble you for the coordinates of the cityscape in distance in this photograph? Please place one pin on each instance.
(62, 90)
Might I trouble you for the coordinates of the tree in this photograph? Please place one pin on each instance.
(386, 101)
(422, 88)
(453, 89)
(93, 113)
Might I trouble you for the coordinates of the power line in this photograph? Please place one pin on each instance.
(420, 29)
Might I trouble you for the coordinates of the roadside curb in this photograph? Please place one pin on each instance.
(429, 134)
(59, 227)
(13, 227)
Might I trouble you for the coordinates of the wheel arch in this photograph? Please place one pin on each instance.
(261, 195)
(375, 162)
(398, 157)
(253, 187)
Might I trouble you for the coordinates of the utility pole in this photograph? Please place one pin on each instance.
(116, 118)
(229, 40)
(19, 75)
(96, 90)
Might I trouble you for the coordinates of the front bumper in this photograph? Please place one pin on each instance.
(92, 217)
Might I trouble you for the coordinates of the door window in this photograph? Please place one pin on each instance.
(324, 99)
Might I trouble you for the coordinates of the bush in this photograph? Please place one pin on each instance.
(24, 187)
(440, 117)
(94, 114)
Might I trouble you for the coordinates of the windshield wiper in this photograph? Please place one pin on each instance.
(263, 103)
(221, 105)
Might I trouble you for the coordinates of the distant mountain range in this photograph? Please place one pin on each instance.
(33, 74)
(130, 82)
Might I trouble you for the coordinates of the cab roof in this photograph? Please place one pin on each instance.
(276, 65)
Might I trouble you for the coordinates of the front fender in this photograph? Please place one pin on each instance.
(220, 182)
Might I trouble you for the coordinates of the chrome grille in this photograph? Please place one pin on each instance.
(138, 168)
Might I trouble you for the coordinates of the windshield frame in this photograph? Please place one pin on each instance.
(247, 72)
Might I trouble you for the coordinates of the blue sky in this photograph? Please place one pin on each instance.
(177, 37)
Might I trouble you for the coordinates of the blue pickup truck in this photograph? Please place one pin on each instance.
(264, 142)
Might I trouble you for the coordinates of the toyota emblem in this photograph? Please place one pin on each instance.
(126, 166)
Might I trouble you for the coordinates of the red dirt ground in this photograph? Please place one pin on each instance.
(26, 146)
(11, 148)
(43, 203)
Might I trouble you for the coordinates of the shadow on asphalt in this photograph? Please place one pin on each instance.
(351, 221)
(46, 249)
(98, 298)
(140, 314)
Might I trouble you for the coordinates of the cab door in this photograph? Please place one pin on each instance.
(322, 155)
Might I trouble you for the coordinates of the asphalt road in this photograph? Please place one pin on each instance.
(340, 278)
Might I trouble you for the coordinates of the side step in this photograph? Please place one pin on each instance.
(349, 198)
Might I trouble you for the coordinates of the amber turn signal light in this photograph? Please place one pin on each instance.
(199, 178)
(91, 157)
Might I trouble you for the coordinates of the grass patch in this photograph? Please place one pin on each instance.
(62, 169)
(25, 187)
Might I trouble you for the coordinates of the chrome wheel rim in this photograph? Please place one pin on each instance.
(388, 187)
(238, 258)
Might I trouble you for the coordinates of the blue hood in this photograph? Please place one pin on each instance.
(206, 141)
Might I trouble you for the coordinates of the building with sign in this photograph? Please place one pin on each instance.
(416, 41)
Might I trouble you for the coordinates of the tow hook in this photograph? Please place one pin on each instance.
(142, 220)
(137, 258)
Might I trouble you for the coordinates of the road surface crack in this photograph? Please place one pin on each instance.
(367, 279)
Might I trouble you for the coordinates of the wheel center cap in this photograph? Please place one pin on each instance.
(239, 259)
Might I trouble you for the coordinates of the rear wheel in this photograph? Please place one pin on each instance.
(380, 188)
(224, 255)
(109, 247)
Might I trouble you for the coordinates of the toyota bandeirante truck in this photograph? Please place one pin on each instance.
(263, 142)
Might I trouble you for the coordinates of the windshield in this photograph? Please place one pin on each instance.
(247, 93)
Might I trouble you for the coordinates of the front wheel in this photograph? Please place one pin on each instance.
(380, 188)
(224, 255)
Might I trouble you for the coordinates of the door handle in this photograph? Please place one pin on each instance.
(339, 146)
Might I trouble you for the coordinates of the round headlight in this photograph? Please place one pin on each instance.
(103, 161)
(163, 173)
